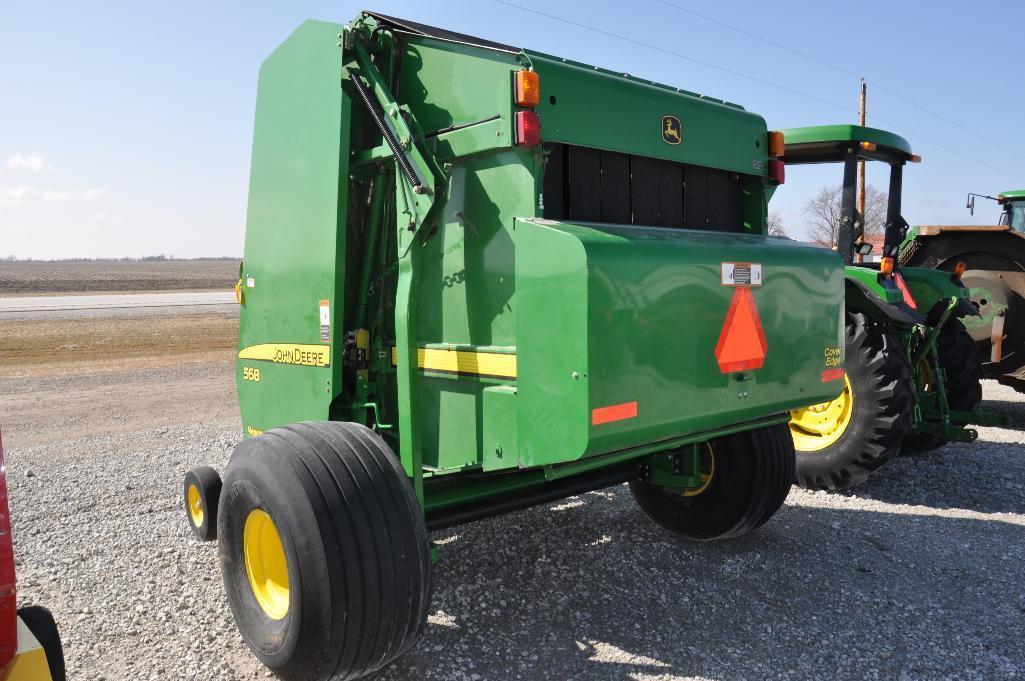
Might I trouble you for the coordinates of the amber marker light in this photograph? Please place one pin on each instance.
(776, 144)
(527, 89)
(886, 266)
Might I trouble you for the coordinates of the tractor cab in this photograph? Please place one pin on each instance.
(1014, 209)
(850, 144)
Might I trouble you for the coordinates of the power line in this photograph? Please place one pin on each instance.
(664, 50)
(844, 70)
(761, 38)
(740, 74)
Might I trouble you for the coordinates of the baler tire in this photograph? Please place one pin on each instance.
(958, 356)
(202, 486)
(352, 537)
(40, 622)
(753, 473)
(881, 416)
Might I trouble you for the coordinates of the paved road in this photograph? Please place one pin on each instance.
(34, 307)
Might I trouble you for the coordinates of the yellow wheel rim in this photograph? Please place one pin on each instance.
(707, 473)
(816, 427)
(195, 506)
(266, 565)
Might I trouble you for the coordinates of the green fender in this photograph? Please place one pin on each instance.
(932, 288)
(882, 302)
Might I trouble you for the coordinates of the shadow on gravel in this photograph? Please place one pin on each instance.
(985, 476)
(1015, 411)
(589, 588)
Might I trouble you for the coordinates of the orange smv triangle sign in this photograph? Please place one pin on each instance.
(741, 343)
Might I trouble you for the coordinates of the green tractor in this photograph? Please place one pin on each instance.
(479, 278)
(912, 379)
(993, 258)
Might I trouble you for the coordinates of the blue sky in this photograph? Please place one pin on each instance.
(125, 127)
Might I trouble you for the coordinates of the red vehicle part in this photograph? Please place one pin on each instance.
(8, 597)
(30, 647)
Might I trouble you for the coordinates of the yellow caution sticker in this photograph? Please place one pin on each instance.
(289, 353)
(468, 362)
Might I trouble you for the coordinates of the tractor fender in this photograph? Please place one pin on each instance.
(932, 288)
(860, 297)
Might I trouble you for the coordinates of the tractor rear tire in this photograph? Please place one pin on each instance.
(749, 478)
(958, 356)
(40, 622)
(876, 420)
(323, 550)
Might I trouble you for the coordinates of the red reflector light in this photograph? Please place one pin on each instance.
(528, 128)
(616, 412)
(905, 291)
(959, 269)
(832, 375)
(776, 171)
(741, 345)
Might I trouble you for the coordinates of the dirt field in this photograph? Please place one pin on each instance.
(115, 275)
(48, 347)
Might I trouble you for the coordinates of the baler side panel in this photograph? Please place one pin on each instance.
(295, 241)
(467, 296)
(630, 319)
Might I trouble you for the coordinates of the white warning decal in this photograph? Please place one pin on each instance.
(325, 321)
(741, 274)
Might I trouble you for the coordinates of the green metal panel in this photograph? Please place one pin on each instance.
(1012, 195)
(592, 108)
(499, 427)
(869, 278)
(294, 246)
(929, 286)
(611, 315)
(828, 134)
(445, 84)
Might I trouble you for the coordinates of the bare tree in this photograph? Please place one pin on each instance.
(775, 224)
(823, 213)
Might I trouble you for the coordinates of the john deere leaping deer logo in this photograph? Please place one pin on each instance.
(672, 130)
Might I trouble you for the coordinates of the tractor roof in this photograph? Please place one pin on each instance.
(1012, 195)
(829, 144)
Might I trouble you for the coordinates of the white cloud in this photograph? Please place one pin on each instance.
(22, 193)
(33, 161)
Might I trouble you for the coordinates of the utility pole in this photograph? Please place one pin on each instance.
(861, 167)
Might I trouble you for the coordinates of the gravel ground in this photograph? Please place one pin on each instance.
(918, 574)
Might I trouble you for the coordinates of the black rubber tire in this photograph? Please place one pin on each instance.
(40, 622)
(208, 483)
(958, 356)
(1001, 253)
(355, 544)
(753, 474)
(881, 417)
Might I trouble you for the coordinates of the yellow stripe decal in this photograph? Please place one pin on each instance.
(496, 364)
(289, 353)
